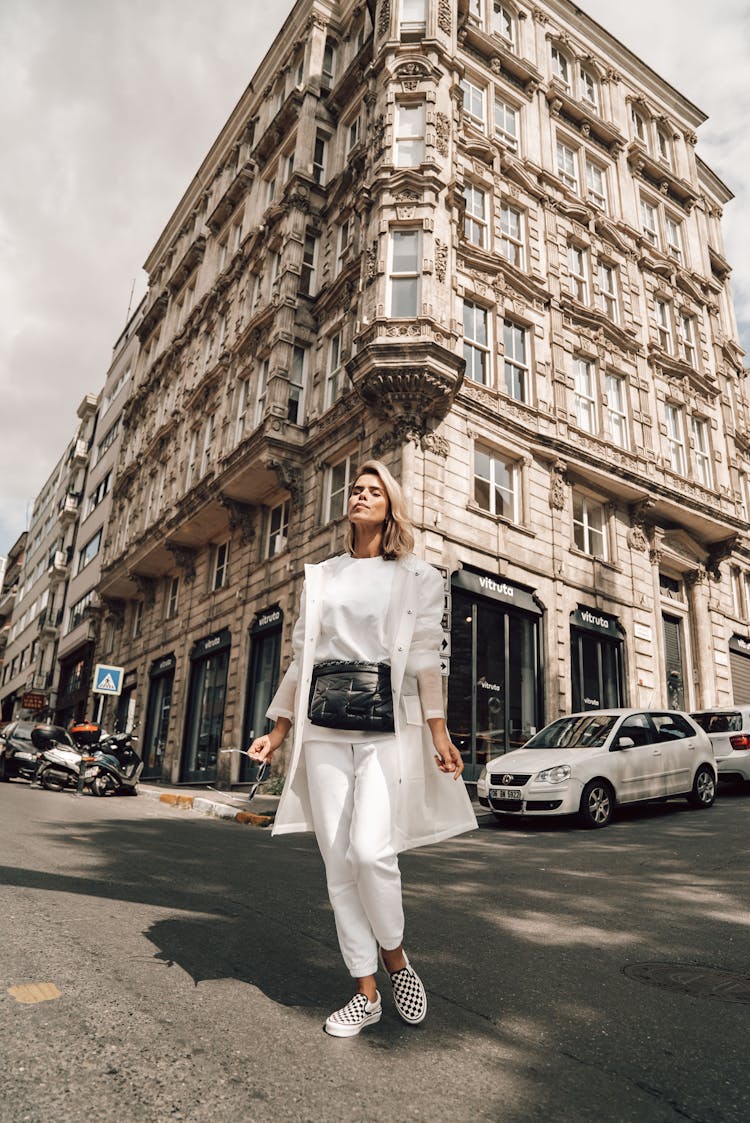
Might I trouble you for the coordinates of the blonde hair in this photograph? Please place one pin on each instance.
(398, 536)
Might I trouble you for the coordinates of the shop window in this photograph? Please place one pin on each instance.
(205, 710)
(597, 678)
(674, 662)
(158, 710)
(496, 484)
(263, 674)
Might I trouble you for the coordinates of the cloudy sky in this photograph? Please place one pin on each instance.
(107, 108)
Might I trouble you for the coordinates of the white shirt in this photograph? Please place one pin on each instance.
(354, 612)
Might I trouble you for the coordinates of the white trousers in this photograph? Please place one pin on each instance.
(353, 791)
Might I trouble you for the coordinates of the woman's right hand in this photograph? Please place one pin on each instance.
(261, 749)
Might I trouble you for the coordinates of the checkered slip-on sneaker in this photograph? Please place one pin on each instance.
(408, 993)
(350, 1019)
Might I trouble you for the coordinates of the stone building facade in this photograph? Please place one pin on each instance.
(475, 240)
(30, 664)
(12, 568)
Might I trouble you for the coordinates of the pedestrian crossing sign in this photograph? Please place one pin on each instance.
(107, 680)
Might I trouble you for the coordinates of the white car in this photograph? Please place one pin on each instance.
(588, 763)
(728, 729)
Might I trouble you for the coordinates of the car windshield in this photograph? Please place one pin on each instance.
(589, 730)
(729, 722)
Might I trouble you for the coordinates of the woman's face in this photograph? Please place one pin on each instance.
(368, 502)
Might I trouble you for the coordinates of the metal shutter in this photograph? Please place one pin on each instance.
(740, 667)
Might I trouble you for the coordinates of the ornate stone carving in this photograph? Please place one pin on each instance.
(640, 529)
(384, 17)
(720, 552)
(372, 263)
(290, 477)
(241, 518)
(441, 260)
(445, 16)
(434, 443)
(406, 202)
(442, 133)
(114, 608)
(298, 199)
(558, 485)
(655, 556)
(184, 559)
(378, 134)
(146, 587)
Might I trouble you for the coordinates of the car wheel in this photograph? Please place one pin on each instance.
(597, 804)
(704, 788)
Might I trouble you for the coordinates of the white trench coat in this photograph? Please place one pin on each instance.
(431, 805)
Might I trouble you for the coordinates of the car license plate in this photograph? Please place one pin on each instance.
(505, 793)
(89, 774)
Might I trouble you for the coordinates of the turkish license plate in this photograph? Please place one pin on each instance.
(505, 793)
(89, 774)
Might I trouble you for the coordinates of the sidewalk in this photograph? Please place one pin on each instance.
(258, 812)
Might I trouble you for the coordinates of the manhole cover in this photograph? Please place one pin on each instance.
(700, 982)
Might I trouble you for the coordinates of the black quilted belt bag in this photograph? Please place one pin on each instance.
(354, 696)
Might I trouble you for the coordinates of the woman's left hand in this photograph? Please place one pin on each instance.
(447, 756)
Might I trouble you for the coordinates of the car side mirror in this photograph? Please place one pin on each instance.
(625, 743)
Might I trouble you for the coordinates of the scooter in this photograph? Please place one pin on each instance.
(59, 764)
(116, 767)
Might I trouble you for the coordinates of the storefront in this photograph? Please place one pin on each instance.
(495, 689)
(204, 719)
(739, 663)
(596, 659)
(262, 679)
(158, 708)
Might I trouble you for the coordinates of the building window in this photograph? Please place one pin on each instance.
(567, 165)
(608, 291)
(589, 88)
(271, 190)
(404, 277)
(584, 395)
(516, 361)
(296, 398)
(578, 270)
(674, 237)
(675, 439)
(650, 219)
(589, 526)
(99, 492)
(663, 325)
(334, 374)
(596, 185)
(191, 462)
(511, 235)
(329, 64)
(617, 417)
(89, 551)
(278, 529)
(307, 276)
(664, 147)
(173, 589)
(319, 158)
(502, 22)
(686, 333)
(475, 217)
(476, 343)
(345, 240)
(137, 619)
(352, 134)
(561, 67)
(473, 102)
(701, 455)
(208, 439)
(496, 484)
(413, 18)
(337, 489)
(243, 398)
(260, 402)
(221, 566)
(409, 139)
(506, 123)
(638, 123)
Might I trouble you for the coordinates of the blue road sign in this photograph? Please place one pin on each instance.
(107, 680)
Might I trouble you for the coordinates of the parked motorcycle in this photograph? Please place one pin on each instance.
(116, 766)
(60, 764)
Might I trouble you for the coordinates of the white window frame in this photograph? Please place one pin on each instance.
(412, 17)
(208, 438)
(352, 133)
(334, 372)
(673, 237)
(394, 277)
(477, 353)
(476, 217)
(191, 461)
(596, 189)
(584, 394)
(608, 302)
(329, 514)
(510, 490)
(320, 158)
(278, 529)
(585, 530)
(701, 451)
(297, 380)
(663, 321)
(686, 334)
(501, 16)
(516, 361)
(650, 222)
(220, 567)
(588, 87)
(561, 66)
(344, 243)
(173, 589)
(503, 110)
(308, 281)
(512, 238)
(243, 403)
(578, 272)
(663, 146)
(639, 125)
(675, 438)
(137, 624)
(615, 387)
(260, 399)
(328, 66)
(567, 159)
(475, 102)
(407, 146)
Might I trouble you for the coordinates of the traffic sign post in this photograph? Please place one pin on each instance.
(107, 680)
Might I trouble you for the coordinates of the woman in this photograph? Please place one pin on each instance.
(370, 792)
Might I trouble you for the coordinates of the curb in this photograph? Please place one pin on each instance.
(204, 806)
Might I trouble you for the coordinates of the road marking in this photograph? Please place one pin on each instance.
(34, 992)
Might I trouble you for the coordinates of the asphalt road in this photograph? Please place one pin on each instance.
(196, 961)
